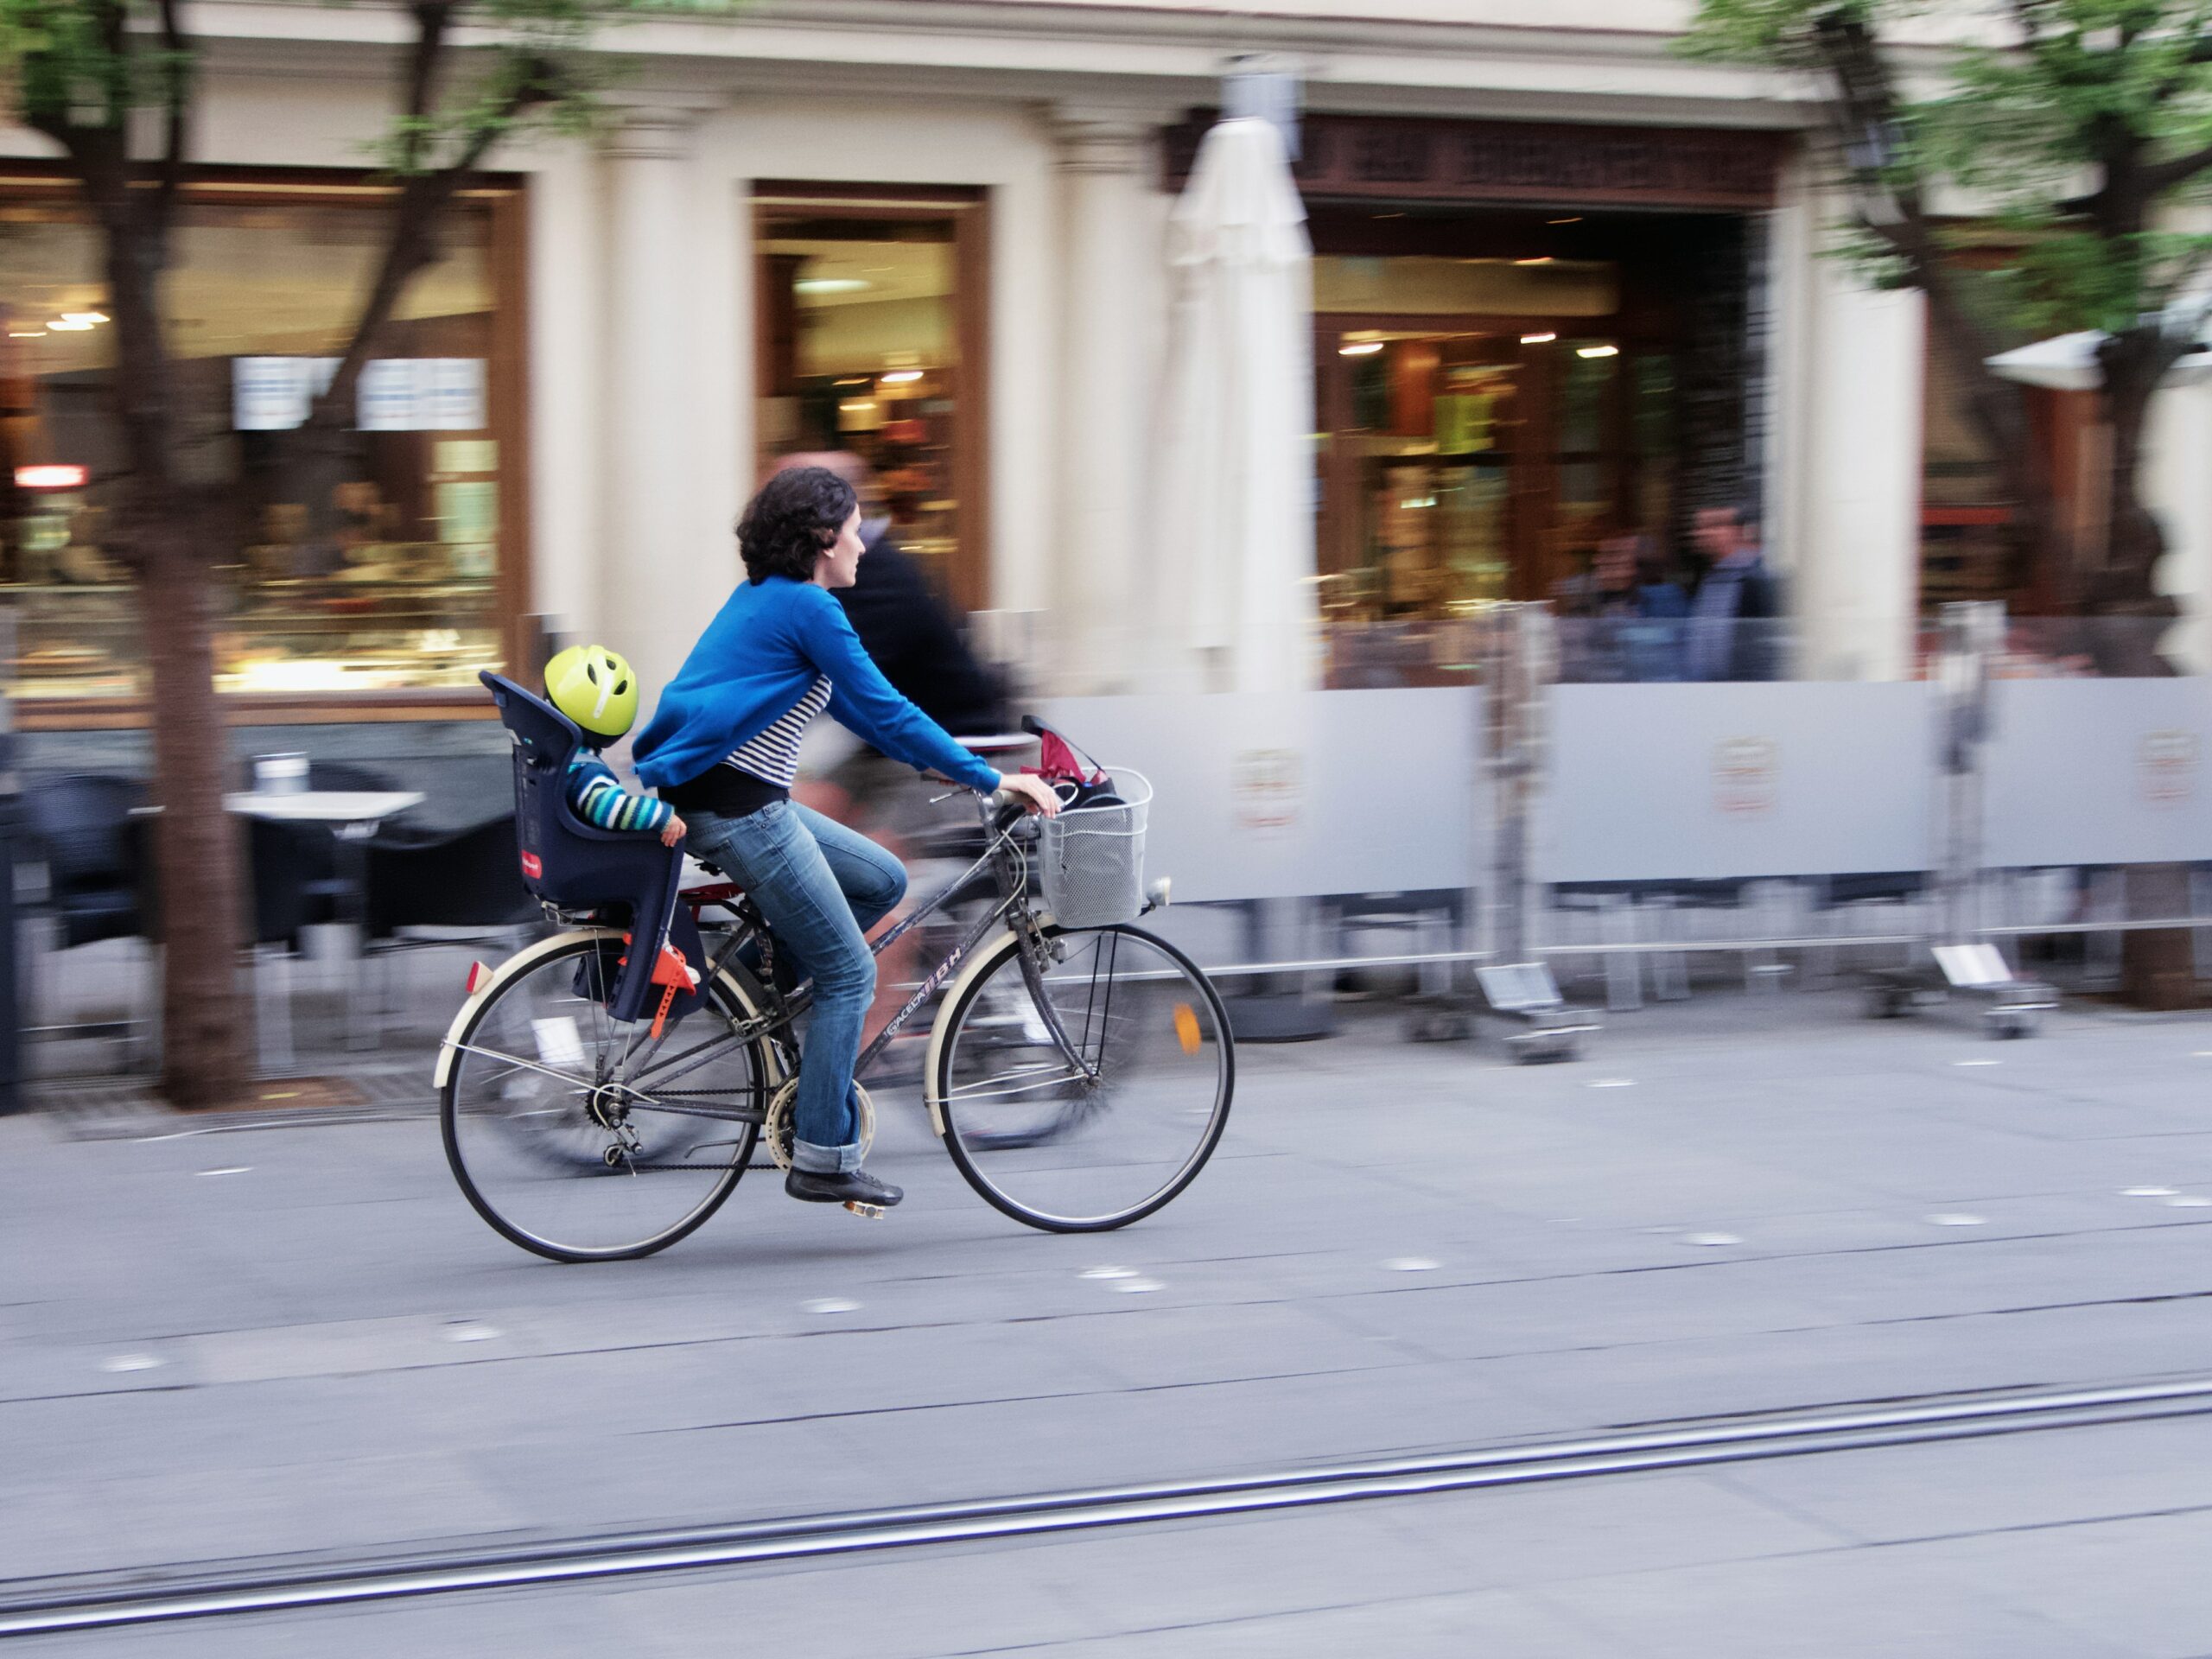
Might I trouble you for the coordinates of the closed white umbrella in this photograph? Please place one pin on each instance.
(1232, 566)
(2069, 363)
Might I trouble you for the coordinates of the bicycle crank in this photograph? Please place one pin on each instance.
(779, 1131)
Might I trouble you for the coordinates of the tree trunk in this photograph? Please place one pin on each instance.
(2124, 585)
(204, 1034)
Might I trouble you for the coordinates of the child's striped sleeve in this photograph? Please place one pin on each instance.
(598, 798)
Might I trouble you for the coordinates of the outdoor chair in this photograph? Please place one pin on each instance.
(284, 895)
(455, 889)
(78, 828)
(348, 776)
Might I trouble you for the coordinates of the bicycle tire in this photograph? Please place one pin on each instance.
(970, 1143)
(732, 996)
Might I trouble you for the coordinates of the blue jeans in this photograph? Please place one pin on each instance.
(821, 886)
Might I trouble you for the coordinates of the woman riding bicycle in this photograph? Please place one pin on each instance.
(722, 748)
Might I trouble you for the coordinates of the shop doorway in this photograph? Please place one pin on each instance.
(870, 336)
(1497, 394)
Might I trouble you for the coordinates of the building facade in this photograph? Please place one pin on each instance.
(1568, 283)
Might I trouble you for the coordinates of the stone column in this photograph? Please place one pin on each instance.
(1108, 273)
(1855, 505)
(652, 596)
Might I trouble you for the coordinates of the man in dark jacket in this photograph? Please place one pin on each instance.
(1735, 623)
(904, 626)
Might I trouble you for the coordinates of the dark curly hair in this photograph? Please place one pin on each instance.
(792, 522)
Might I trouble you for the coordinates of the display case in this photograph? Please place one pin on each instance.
(352, 566)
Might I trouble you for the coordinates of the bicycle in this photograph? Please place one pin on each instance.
(1078, 1075)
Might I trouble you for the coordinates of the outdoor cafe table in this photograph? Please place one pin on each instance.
(353, 816)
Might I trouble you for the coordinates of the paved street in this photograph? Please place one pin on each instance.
(301, 1342)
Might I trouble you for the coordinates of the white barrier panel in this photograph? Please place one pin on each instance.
(1316, 792)
(1692, 782)
(2097, 772)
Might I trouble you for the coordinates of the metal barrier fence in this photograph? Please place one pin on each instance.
(1519, 818)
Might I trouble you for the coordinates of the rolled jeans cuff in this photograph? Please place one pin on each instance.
(825, 1161)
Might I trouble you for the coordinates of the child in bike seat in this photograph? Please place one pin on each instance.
(594, 688)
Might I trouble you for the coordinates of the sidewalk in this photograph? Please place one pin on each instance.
(300, 1340)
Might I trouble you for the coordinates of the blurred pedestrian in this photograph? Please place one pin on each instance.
(1735, 618)
(1652, 631)
(906, 627)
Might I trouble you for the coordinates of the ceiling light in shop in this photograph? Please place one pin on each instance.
(52, 476)
(1360, 348)
(902, 377)
(1597, 351)
(27, 334)
(64, 325)
(1575, 218)
(1542, 259)
(1538, 340)
(829, 285)
(84, 316)
(857, 406)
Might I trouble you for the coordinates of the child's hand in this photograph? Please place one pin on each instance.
(673, 831)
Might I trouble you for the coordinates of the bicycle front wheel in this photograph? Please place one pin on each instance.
(1102, 1132)
(564, 1165)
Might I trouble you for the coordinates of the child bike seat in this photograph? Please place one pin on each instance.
(577, 866)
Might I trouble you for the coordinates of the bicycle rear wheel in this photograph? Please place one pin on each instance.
(563, 1165)
(1085, 1147)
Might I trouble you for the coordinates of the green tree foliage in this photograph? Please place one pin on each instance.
(2078, 133)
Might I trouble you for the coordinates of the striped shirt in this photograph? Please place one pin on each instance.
(772, 757)
(596, 796)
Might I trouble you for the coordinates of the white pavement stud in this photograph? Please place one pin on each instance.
(1711, 1240)
(131, 1363)
(1612, 1083)
(830, 1304)
(1977, 1062)
(2189, 1201)
(2146, 1192)
(1957, 1218)
(1137, 1286)
(1409, 1264)
(234, 1169)
(469, 1331)
(1109, 1273)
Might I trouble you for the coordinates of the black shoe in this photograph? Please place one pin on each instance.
(855, 1186)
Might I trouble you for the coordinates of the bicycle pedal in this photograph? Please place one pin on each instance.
(872, 1211)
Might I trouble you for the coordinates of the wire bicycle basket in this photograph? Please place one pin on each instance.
(1090, 859)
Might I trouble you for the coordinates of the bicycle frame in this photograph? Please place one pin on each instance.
(1002, 855)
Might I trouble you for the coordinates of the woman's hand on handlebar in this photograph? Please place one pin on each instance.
(1031, 794)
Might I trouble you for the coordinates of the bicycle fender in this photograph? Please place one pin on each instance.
(521, 962)
(987, 956)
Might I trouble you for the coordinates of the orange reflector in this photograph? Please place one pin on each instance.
(1186, 1026)
(478, 974)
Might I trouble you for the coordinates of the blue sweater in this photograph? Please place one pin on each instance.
(757, 658)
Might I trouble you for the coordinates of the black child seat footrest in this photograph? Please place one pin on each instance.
(578, 866)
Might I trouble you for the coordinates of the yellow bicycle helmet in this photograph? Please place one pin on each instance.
(594, 687)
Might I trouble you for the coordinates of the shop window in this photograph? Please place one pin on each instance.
(380, 570)
(870, 340)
